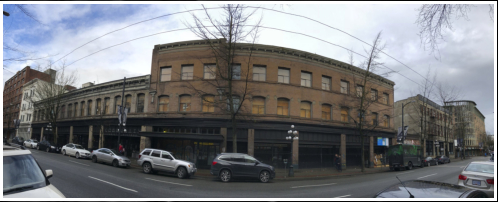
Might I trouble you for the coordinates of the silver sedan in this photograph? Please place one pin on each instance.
(110, 156)
(478, 175)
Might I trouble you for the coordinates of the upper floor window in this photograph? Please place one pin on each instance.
(258, 73)
(258, 105)
(283, 75)
(140, 103)
(163, 103)
(344, 114)
(209, 71)
(82, 108)
(385, 98)
(98, 107)
(236, 72)
(326, 81)
(236, 102)
(185, 103)
(89, 109)
(69, 111)
(305, 109)
(306, 79)
(386, 121)
(359, 91)
(107, 102)
(75, 109)
(63, 112)
(208, 103)
(127, 102)
(344, 87)
(326, 111)
(283, 106)
(165, 73)
(374, 94)
(187, 72)
(117, 102)
(375, 118)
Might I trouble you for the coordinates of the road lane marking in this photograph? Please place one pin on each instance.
(112, 184)
(313, 185)
(427, 176)
(79, 163)
(169, 182)
(406, 172)
(343, 196)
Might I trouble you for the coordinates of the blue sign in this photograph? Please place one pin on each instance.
(382, 141)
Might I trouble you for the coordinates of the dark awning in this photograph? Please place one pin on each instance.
(187, 136)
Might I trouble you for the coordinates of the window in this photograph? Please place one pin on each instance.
(326, 81)
(374, 94)
(75, 109)
(163, 103)
(107, 102)
(82, 108)
(258, 105)
(359, 91)
(208, 103)
(98, 107)
(185, 103)
(386, 121)
(344, 87)
(306, 79)
(140, 103)
(375, 118)
(236, 72)
(283, 75)
(344, 114)
(187, 72)
(283, 106)
(236, 102)
(305, 109)
(89, 109)
(209, 71)
(165, 73)
(127, 102)
(385, 98)
(156, 153)
(258, 73)
(69, 111)
(326, 111)
(63, 111)
(117, 102)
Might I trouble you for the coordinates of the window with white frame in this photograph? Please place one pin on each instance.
(326, 81)
(165, 73)
(187, 72)
(210, 71)
(283, 75)
(236, 72)
(258, 73)
(344, 87)
(306, 79)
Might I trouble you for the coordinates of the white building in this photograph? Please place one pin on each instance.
(27, 109)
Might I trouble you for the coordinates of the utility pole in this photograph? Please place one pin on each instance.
(122, 111)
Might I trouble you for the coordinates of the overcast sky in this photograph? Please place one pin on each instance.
(467, 54)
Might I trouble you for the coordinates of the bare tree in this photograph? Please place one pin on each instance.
(434, 18)
(50, 95)
(224, 38)
(444, 94)
(365, 100)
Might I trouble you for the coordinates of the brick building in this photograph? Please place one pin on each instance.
(469, 124)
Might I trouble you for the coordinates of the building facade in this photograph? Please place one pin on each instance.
(429, 125)
(469, 125)
(29, 96)
(166, 113)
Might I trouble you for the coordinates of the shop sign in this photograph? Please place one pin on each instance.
(382, 141)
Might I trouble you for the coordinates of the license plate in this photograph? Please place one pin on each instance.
(476, 182)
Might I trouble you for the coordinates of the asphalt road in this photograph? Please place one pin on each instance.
(80, 178)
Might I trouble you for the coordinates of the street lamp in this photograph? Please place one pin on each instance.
(293, 135)
(403, 118)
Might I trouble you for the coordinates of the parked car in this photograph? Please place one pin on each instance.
(48, 146)
(230, 165)
(428, 189)
(154, 160)
(24, 178)
(429, 161)
(442, 159)
(478, 175)
(18, 140)
(110, 156)
(30, 143)
(75, 150)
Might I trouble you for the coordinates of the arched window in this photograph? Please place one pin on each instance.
(258, 105)
(386, 121)
(70, 111)
(185, 103)
(98, 107)
(283, 106)
(127, 102)
(89, 109)
(75, 109)
(163, 103)
(208, 103)
(326, 111)
(82, 107)
(344, 114)
(107, 102)
(305, 109)
(140, 103)
(62, 111)
(117, 101)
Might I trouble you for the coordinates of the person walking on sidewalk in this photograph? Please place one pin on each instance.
(338, 162)
(121, 149)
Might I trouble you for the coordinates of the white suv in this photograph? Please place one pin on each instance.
(154, 160)
(24, 178)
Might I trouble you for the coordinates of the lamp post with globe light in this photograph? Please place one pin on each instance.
(293, 135)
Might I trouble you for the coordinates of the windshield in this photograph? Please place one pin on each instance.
(21, 173)
(34, 141)
(481, 168)
(116, 152)
(174, 156)
(79, 147)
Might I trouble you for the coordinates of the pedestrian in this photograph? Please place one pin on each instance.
(338, 162)
(121, 148)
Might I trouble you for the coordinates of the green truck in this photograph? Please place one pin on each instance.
(404, 157)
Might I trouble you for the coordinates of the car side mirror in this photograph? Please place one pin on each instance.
(48, 173)
(112, 154)
(256, 163)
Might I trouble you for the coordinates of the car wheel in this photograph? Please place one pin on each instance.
(63, 152)
(77, 156)
(410, 166)
(147, 168)
(225, 175)
(181, 172)
(94, 159)
(115, 163)
(264, 176)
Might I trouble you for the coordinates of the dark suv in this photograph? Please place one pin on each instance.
(18, 140)
(229, 165)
